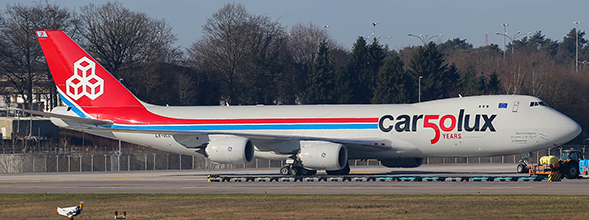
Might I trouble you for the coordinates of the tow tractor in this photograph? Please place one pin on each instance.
(567, 165)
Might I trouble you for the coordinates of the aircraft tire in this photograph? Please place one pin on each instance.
(285, 170)
(521, 168)
(304, 172)
(295, 171)
(571, 170)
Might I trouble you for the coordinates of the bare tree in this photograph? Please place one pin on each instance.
(304, 40)
(125, 42)
(235, 44)
(303, 44)
(184, 88)
(21, 59)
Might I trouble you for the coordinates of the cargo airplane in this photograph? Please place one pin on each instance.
(308, 137)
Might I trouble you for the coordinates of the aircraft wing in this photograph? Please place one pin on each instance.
(363, 144)
(77, 119)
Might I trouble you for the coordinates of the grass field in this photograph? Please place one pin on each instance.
(272, 206)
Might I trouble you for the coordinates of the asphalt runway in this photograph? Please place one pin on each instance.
(195, 181)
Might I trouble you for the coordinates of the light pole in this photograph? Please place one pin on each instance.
(425, 38)
(577, 45)
(419, 89)
(327, 31)
(511, 39)
(374, 29)
(504, 31)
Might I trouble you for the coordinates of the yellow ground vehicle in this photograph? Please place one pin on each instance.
(567, 165)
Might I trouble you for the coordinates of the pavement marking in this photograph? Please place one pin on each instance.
(509, 187)
(364, 173)
(30, 181)
(123, 178)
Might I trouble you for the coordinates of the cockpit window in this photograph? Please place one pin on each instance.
(532, 104)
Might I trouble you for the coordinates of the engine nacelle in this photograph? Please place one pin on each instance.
(322, 155)
(229, 149)
(403, 162)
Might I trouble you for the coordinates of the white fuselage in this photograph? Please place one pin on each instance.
(472, 126)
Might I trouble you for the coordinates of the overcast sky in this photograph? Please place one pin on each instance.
(347, 19)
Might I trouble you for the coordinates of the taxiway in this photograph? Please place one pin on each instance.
(195, 181)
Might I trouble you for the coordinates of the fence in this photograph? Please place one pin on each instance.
(113, 161)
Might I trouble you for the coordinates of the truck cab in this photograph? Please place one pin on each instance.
(569, 160)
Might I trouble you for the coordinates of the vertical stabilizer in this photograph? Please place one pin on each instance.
(81, 81)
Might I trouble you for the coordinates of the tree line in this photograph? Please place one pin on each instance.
(245, 59)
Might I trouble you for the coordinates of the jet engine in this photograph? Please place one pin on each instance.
(229, 149)
(403, 162)
(322, 155)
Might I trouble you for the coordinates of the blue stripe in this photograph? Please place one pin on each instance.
(248, 127)
(69, 104)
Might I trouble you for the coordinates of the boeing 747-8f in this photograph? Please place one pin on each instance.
(308, 137)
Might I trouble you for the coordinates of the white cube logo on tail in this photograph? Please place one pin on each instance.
(41, 34)
(84, 82)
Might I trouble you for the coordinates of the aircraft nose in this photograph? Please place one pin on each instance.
(570, 130)
(574, 128)
(562, 129)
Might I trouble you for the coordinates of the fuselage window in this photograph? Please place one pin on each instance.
(532, 104)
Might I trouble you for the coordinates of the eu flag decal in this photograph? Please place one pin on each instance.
(503, 105)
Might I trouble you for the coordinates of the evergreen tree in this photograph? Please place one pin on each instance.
(343, 86)
(319, 84)
(450, 82)
(536, 42)
(359, 74)
(470, 84)
(393, 84)
(566, 49)
(438, 79)
(356, 70)
(454, 44)
(376, 55)
(493, 84)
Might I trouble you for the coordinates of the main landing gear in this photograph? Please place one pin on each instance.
(296, 169)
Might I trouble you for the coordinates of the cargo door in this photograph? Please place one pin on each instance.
(515, 106)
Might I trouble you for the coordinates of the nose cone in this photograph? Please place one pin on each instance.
(574, 129)
(564, 129)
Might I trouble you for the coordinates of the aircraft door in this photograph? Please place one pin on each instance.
(515, 106)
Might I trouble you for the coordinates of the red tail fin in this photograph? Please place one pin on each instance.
(78, 76)
(81, 80)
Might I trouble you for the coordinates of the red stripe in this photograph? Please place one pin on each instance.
(278, 121)
(139, 115)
